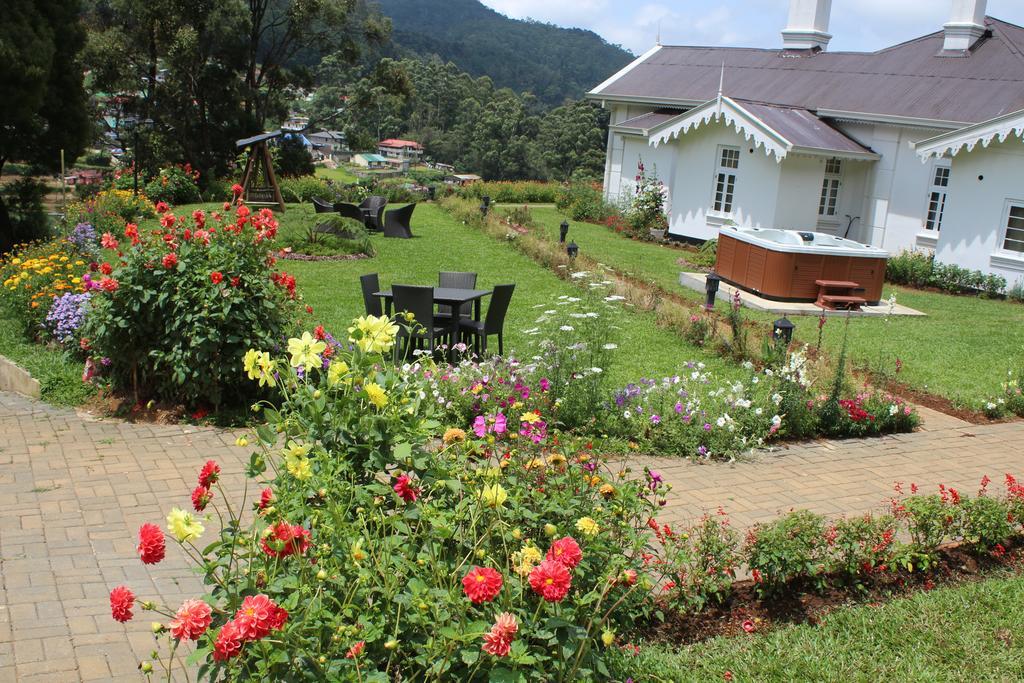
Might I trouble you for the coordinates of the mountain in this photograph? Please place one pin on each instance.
(553, 63)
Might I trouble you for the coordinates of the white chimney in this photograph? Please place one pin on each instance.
(966, 24)
(808, 25)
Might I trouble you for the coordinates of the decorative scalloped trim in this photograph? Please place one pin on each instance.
(735, 117)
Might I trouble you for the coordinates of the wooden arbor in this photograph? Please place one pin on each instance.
(259, 184)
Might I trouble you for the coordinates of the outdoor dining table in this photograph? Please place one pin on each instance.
(450, 296)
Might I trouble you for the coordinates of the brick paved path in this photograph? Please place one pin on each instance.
(73, 492)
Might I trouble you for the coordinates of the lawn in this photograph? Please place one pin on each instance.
(961, 350)
(338, 175)
(441, 243)
(970, 632)
(59, 375)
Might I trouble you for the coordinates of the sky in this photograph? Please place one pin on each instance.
(855, 24)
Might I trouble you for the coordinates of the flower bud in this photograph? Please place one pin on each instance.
(147, 605)
(256, 407)
(607, 637)
(480, 553)
(391, 645)
(424, 606)
(241, 442)
(146, 668)
(321, 659)
(550, 529)
(157, 627)
(517, 534)
(321, 575)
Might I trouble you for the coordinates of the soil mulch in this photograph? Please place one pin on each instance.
(934, 401)
(108, 404)
(745, 612)
(291, 256)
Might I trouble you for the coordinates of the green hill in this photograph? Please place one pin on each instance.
(551, 62)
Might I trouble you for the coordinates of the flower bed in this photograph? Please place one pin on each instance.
(508, 556)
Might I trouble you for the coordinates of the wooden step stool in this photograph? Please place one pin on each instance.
(838, 295)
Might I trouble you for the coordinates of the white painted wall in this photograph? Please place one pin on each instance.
(799, 192)
(975, 218)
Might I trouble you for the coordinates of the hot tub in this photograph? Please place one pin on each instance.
(783, 264)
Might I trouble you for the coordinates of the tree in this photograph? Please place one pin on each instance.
(292, 159)
(571, 140)
(44, 108)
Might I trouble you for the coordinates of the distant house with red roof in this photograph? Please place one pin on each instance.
(401, 150)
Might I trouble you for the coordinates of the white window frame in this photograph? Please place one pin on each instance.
(723, 205)
(937, 195)
(1001, 247)
(831, 185)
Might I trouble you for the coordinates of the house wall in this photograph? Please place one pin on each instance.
(976, 210)
(799, 191)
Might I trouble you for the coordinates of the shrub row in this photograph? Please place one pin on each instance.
(919, 269)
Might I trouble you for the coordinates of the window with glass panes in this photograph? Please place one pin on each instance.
(830, 188)
(937, 198)
(725, 178)
(1014, 238)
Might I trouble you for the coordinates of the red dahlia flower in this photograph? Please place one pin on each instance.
(121, 602)
(108, 241)
(258, 616)
(191, 620)
(170, 260)
(567, 551)
(151, 544)
(496, 644)
(106, 269)
(551, 580)
(109, 284)
(216, 277)
(355, 650)
(209, 475)
(236, 189)
(266, 496)
(228, 643)
(405, 490)
(167, 220)
(482, 584)
(286, 539)
(161, 207)
(201, 497)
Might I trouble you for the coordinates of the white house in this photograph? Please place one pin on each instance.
(801, 138)
(330, 144)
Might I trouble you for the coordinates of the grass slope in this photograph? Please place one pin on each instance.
(961, 350)
(969, 632)
(59, 375)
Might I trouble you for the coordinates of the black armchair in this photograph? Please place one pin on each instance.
(396, 222)
(420, 302)
(492, 324)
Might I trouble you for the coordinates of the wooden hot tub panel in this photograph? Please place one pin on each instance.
(791, 277)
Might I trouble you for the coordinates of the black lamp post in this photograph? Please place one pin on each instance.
(572, 250)
(782, 330)
(711, 289)
(133, 125)
(487, 201)
(563, 230)
(432, 193)
(483, 209)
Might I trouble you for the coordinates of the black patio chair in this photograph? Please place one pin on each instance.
(320, 206)
(455, 280)
(372, 211)
(493, 323)
(371, 284)
(349, 211)
(396, 222)
(420, 302)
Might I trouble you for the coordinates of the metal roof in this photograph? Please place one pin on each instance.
(245, 142)
(915, 80)
(802, 128)
(646, 122)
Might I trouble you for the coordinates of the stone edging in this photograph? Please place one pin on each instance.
(15, 378)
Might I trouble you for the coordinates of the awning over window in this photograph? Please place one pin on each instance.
(776, 129)
(951, 143)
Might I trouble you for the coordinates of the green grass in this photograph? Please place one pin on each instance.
(338, 175)
(961, 350)
(59, 375)
(969, 632)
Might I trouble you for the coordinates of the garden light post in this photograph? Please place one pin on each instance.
(572, 250)
(133, 126)
(563, 230)
(782, 330)
(711, 289)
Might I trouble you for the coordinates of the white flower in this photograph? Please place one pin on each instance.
(610, 347)
(758, 411)
(720, 422)
(615, 297)
(596, 371)
(990, 406)
(579, 274)
(776, 399)
(776, 420)
(590, 314)
(577, 315)
(626, 414)
(566, 328)
(748, 365)
(893, 409)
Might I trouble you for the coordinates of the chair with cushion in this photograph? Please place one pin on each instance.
(455, 280)
(396, 222)
(420, 302)
(371, 284)
(493, 323)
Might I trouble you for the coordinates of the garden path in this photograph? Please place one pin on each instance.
(74, 490)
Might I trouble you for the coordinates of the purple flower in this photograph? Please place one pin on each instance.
(707, 427)
(83, 237)
(655, 479)
(678, 407)
(702, 451)
(66, 316)
(655, 419)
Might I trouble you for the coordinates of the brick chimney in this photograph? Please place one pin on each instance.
(807, 28)
(965, 26)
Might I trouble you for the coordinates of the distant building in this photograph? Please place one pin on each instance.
(797, 137)
(367, 160)
(330, 144)
(295, 122)
(406, 150)
(462, 179)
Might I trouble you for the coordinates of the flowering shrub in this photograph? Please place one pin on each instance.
(179, 309)
(85, 240)
(699, 564)
(788, 549)
(1010, 400)
(647, 207)
(469, 561)
(108, 211)
(174, 185)
(66, 316)
(512, 191)
(33, 274)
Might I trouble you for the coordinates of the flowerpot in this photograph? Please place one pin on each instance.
(658, 234)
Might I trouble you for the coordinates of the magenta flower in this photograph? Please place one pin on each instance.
(500, 424)
(480, 426)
